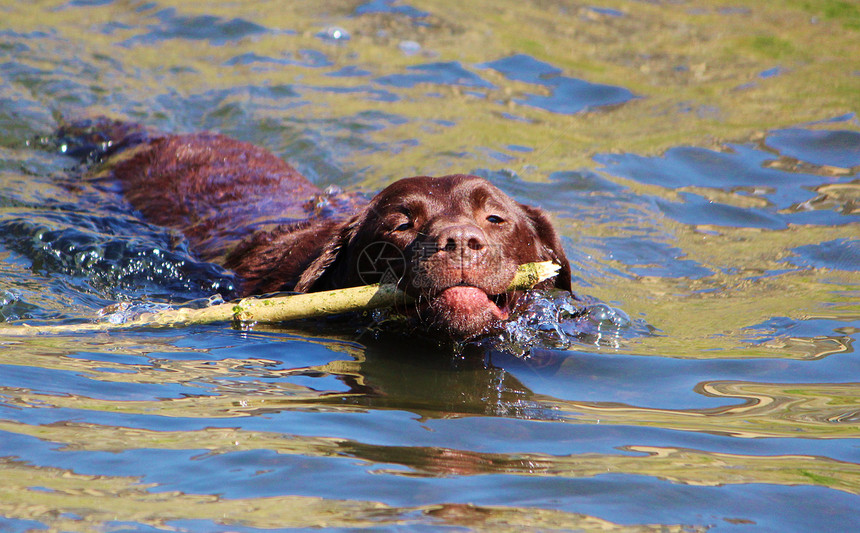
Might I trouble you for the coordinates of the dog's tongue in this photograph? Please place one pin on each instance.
(463, 300)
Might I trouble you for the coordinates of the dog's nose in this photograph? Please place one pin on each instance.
(460, 238)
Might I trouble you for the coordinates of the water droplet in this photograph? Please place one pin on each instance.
(334, 34)
(409, 48)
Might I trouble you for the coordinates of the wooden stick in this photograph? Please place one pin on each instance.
(279, 308)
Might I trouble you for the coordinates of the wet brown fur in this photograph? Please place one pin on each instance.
(243, 207)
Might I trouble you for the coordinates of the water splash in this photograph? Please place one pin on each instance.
(98, 260)
(124, 312)
(559, 320)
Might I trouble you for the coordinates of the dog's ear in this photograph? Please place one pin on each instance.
(330, 270)
(551, 248)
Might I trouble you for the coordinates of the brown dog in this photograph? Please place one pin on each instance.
(453, 242)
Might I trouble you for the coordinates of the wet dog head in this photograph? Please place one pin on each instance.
(453, 242)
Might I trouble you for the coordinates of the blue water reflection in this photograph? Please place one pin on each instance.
(839, 254)
(569, 95)
(303, 58)
(832, 148)
(201, 27)
(743, 171)
(445, 73)
(389, 6)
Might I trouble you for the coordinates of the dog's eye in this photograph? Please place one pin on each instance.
(403, 226)
(495, 219)
(398, 221)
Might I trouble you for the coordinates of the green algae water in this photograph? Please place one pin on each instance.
(701, 160)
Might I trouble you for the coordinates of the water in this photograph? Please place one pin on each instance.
(704, 178)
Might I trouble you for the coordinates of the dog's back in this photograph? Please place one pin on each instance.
(216, 190)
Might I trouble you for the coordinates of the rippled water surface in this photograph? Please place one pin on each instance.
(699, 158)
